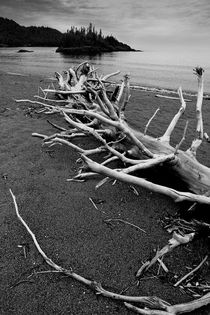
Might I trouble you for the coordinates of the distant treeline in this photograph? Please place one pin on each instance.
(74, 41)
(14, 35)
(89, 40)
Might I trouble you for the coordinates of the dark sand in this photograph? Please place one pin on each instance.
(69, 229)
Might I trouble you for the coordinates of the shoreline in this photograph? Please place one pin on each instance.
(133, 87)
(137, 87)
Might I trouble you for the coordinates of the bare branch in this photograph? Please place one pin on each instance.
(93, 132)
(112, 114)
(56, 126)
(119, 125)
(199, 129)
(73, 74)
(182, 140)
(150, 120)
(100, 103)
(65, 92)
(178, 196)
(108, 76)
(51, 100)
(126, 222)
(146, 311)
(35, 102)
(191, 272)
(145, 164)
(171, 97)
(75, 147)
(172, 125)
(126, 97)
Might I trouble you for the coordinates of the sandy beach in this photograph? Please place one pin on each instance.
(70, 230)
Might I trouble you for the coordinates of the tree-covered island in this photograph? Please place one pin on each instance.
(89, 41)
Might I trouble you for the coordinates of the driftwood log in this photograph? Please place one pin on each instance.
(95, 106)
(92, 110)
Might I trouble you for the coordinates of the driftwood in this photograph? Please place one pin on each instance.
(94, 111)
(95, 107)
(172, 97)
(175, 241)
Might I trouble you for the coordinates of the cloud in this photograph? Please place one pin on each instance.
(141, 23)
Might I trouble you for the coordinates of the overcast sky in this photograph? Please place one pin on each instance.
(143, 24)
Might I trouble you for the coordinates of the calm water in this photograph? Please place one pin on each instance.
(153, 69)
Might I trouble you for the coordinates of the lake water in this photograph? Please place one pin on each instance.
(167, 70)
(153, 69)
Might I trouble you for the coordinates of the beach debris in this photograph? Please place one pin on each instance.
(134, 190)
(24, 246)
(191, 272)
(176, 240)
(93, 203)
(161, 264)
(172, 97)
(183, 233)
(75, 180)
(153, 305)
(25, 51)
(18, 74)
(126, 222)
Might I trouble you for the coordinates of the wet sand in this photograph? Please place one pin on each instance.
(70, 230)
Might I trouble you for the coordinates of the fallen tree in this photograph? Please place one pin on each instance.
(91, 109)
(95, 106)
